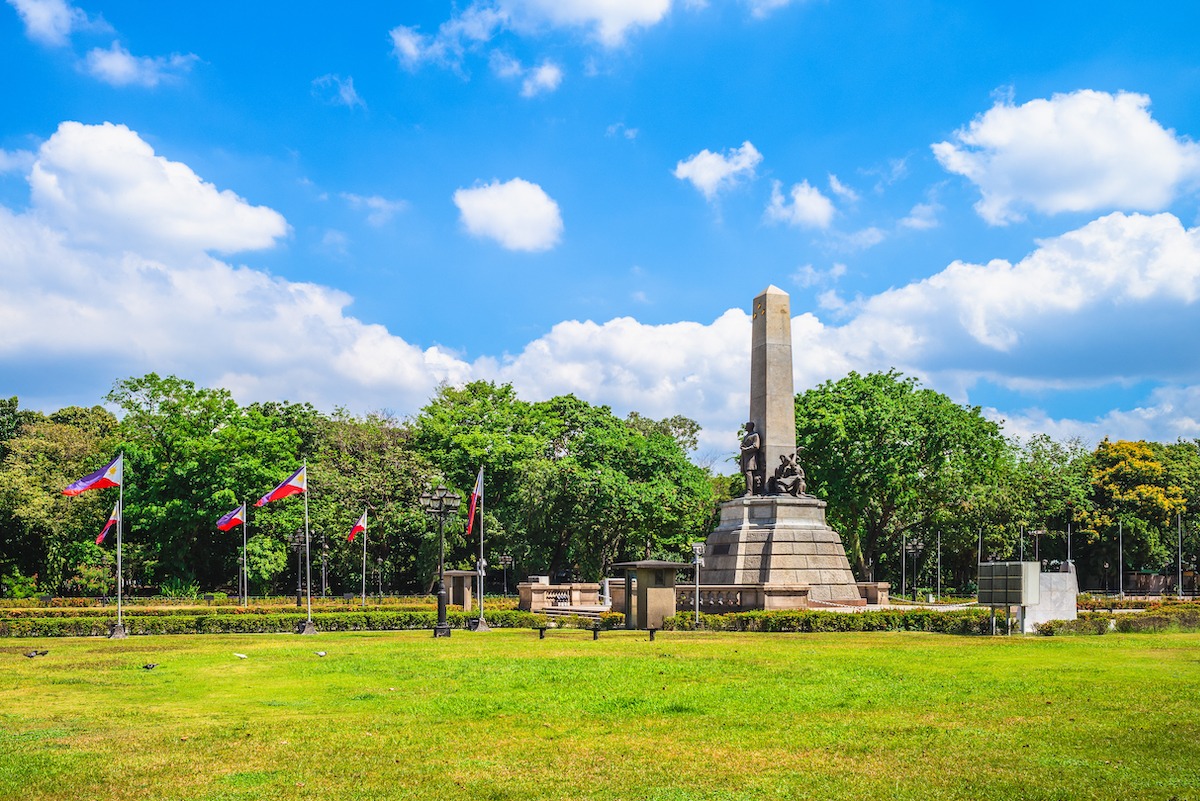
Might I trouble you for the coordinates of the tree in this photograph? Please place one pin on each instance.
(41, 531)
(192, 454)
(1131, 489)
(894, 460)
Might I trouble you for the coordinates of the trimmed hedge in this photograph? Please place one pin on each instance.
(259, 623)
(1178, 617)
(959, 621)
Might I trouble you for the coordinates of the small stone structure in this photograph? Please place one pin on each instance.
(538, 594)
(460, 586)
(655, 592)
(1058, 594)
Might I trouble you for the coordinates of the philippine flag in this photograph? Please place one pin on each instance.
(112, 519)
(476, 497)
(234, 518)
(296, 483)
(361, 525)
(107, 476)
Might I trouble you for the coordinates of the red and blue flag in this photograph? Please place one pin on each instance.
(107, 476)
(296, 483)
(234, 518)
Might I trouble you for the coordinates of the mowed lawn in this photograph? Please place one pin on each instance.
(504, 715)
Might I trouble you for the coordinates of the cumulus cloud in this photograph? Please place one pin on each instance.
(517, 214)
(713, 172)
(102, 185)
(51, 22)
(1090, 307)
(335, 90)
(117, 66)
(1082, 151)
(808, 207)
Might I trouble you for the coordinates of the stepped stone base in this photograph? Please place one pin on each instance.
(780, 540)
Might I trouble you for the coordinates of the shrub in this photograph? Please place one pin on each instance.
(959, 621)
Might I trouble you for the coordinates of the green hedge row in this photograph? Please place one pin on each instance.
(1173, 617)
(386, 620)
(959, 621)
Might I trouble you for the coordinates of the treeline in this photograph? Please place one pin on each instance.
(900, 464)
(569, 488)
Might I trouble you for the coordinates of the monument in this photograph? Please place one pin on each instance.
(773, 548)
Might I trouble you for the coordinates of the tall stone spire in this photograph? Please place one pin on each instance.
(772, 392)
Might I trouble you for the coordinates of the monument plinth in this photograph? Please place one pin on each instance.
(775, 536)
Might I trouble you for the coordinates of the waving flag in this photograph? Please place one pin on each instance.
(234, 518)
(476, 497)
(296, 483)
(361, 525)
(112, 519)
(107, 476)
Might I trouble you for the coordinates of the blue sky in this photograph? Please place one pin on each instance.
(350, 205)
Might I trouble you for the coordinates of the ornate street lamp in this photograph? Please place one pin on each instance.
(441, 503)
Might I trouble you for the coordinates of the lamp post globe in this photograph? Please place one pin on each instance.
(441, 503)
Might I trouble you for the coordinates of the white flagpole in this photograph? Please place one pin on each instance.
(245, 564)
(364, 575)
(307, 557)
(482, 624)
(120, 525)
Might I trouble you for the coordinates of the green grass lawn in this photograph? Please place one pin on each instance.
(504, 715)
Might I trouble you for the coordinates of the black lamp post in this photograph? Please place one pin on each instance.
(441, 503)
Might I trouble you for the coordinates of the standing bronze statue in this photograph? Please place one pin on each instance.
(751, 445)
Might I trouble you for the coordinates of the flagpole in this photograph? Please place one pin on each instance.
(119, 630)
(482, 625)
(245, 564)
(364, 576)
(307, 557)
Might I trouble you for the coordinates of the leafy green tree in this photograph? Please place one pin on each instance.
(192, 454)
(369, 463)
(894, 460)
(42, 532)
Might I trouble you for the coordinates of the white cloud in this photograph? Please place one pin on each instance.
(808, 208)
(763, 8)
(412, 47)
(712, 172)
(335, 90)
(609, 21)
(1096, 305)
(806, 275)
(921, 217)
(534, 80)
(621, 129)
(102, 185)
(15, 160)
(841, 190)
(380, 210)
(51, 22)
(543, 78)
(1082, 151)
(517, 214)
(117, 66)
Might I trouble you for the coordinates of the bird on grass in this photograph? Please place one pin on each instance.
(150, 666)
(241, 656)
(31, 654)
(41, 653)
(320, 653)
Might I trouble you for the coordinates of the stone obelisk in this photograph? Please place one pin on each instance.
(772, 549)
(772, 393)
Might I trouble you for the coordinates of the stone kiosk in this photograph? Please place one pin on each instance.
(773, 548)
(654, 592)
